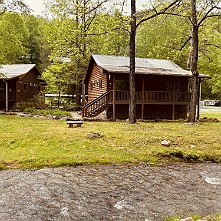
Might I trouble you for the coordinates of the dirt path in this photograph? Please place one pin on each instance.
(134, 192)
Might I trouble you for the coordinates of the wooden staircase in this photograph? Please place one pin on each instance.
(98, 105)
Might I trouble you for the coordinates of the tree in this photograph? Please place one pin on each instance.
(168, 37)
(209, 9)
(79, 28)
(144, 16)
(13, 38)
(13, 6)
(132, 87)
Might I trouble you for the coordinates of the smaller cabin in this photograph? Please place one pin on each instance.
(18, 82)
(162, 88)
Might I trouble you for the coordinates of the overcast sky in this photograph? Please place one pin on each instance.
(38, 5)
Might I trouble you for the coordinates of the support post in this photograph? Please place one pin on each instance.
(83, 101)
(6, 96)
(199, 98)
(174, 98)
(142, 111)
(114, 96)
(59, 97)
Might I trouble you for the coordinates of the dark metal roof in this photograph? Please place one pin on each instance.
(14, 70)
(119, 64)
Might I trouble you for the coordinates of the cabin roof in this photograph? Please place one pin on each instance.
(120, 64)
(14, 70)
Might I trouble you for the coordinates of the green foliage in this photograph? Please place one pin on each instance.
(75, 34)
(21, 39)
(210, 56)
(37, 101)
(163, 38)
(13, 38)
(45, 112)
(35, 39)
(167, 38)
(75, 31)
(195, 218)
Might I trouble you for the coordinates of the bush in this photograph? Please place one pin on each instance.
(47, 111)
(37, 101)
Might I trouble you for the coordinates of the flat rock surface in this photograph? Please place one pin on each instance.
(111, 192)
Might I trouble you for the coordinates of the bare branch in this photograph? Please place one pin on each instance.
(216, 46)
(205, 16)
(189, 38)
(162, 11)
(106, 32)
(97, 6)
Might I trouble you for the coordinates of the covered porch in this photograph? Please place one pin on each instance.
(152, 92)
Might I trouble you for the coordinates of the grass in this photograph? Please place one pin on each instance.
(196, 217)
(36, 143)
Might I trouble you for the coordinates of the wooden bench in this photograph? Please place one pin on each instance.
(76, 122)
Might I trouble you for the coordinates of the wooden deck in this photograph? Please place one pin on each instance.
(154, 97)
(147, 97)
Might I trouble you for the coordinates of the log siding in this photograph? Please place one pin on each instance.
(34, 86)
(97, 84)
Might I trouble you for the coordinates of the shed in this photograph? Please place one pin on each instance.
(18, 82)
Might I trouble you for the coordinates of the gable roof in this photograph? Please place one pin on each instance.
(15, 70)
(120, 64)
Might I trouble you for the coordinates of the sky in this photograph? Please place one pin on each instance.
(38, 5)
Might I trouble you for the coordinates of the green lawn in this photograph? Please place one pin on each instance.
(36, 143)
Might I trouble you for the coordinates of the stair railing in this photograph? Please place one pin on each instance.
(97, 104)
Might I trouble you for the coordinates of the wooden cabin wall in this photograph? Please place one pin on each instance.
(28, 86)
(97, 84)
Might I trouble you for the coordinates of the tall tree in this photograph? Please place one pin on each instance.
(13, 38)
(205, 10)
(13, 5)
(79, 28)
(132, 90)
(194, 61)
(144, 16)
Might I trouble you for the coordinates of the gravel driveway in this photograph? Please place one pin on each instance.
(112, 192)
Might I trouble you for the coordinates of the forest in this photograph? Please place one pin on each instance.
(61, 41)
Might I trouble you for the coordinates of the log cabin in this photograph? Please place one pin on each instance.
(162, 88)
(18, 82)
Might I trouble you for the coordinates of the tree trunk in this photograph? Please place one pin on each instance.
(194, 63)
(194, 99)
(132, 92)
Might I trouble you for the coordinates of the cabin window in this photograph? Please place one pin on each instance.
(100, 84)
(25, 87)
(91, 85)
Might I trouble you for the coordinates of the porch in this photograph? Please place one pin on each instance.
(116, 98)
(11, 96)
(153, 97)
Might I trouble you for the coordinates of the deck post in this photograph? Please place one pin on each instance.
(114, 96)
(142, 111)
(174, 98)
(6, 96)
(199, 98)
(83, 101)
